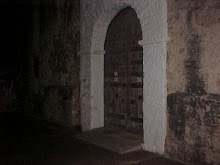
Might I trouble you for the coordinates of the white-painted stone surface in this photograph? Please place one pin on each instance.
(96, 16)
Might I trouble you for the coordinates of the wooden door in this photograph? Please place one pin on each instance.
(123, 78)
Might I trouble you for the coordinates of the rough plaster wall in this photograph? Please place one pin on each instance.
(193, 81)
(58, 62)
(205, 24)
(176, 47)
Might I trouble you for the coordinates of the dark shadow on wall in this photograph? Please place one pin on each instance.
(40, 42)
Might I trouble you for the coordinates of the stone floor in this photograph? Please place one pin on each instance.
(113, 139)
(26, 141)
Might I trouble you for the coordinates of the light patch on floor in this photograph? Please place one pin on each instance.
(113, 139)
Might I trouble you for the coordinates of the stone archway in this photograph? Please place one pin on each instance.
(95, 19)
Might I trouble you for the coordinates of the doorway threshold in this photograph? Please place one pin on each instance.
(113, 139)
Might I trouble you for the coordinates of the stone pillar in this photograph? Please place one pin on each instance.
(154, 94)
(92, 89)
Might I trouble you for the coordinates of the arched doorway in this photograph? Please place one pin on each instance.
(123, 73)
(94, 22)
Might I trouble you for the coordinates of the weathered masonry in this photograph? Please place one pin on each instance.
(179, 51)
(150, 67)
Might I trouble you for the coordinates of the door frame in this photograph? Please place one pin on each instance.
(94, 24)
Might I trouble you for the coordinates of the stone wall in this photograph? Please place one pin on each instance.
(193, 81)
(193, 132)
(193, 51)
(55, 75)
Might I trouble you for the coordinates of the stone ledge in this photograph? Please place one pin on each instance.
(153, 41)
(95, 52)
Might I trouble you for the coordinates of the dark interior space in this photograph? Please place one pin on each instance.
(16, 30)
